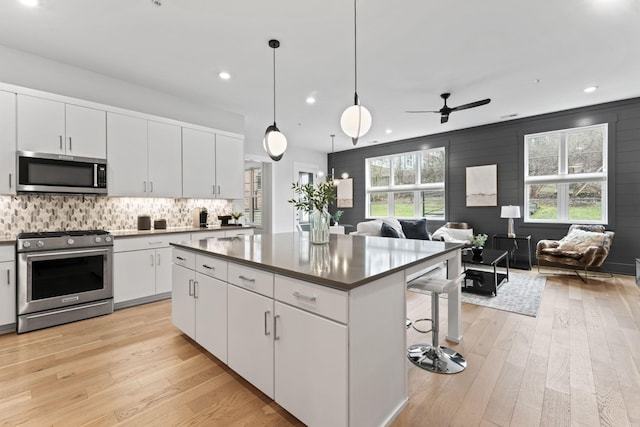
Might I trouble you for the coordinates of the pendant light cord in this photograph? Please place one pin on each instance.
(355, 49)
(274, 86)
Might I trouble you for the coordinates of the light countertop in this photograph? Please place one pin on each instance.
(345, 263)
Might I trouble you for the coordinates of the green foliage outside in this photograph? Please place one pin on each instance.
(576, 213)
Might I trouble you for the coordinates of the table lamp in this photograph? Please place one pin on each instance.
(510, 212)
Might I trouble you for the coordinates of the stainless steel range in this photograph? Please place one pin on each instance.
(63, 276)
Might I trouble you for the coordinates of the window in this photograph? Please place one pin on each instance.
(406, 185)
(566, 175)
(253, 193)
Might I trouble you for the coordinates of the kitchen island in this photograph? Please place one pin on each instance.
(318, 328)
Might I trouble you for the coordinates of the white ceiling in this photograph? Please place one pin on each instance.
(409, 52)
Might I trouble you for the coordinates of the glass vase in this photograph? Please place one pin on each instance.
(319, 227)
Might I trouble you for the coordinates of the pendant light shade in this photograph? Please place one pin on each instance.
(274, 142)
(356, 119)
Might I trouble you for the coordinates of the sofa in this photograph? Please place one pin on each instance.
(584, 246)
(392, 227)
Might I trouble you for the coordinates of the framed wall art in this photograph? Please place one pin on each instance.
(482, 185)
(345, 193)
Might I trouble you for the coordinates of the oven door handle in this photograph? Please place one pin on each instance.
(76, 252)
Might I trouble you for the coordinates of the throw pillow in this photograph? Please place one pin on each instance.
(415, 229)
(579, 240)
(388, 231)
(395, 224)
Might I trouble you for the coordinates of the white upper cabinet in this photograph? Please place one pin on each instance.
(143, 157)
(55, 127)
(229, 167)
(198, 164)
(126, 156)
(212, 165)
(164, 152)
(7, 143)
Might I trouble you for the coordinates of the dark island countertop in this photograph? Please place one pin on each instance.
(345, 263)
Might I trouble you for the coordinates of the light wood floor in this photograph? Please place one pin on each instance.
(577, 363)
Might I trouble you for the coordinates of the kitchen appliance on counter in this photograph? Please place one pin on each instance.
(144, 222)
(200, 217)
(224, 220)
(63, 276)
(59, 173)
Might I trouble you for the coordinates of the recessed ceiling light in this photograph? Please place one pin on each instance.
(30, 3)
(311, 100)
(388, 131)
(590, 89)
(224, 75)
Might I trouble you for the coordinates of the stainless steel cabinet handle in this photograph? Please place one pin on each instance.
(151, 186)
(248, 279)
(159, 243)
(266, 315)
(145, 186)
(157, 259)
(70, 145)
(196, 287)
(60, 142)
(8, 276)
(190, 287)
(152, 261)
(304, 297)
(181, 258)
(213, 189)
(208, 267)
(275, 327)
(10, 180)
(218, 189)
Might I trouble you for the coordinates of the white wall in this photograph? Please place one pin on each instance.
(35, 72)
(282, 213)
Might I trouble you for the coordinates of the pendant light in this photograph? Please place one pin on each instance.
(274, 142)
(355, 120)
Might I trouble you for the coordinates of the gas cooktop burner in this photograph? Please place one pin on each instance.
(50, 234)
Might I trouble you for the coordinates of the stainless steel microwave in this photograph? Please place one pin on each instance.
(59, 173)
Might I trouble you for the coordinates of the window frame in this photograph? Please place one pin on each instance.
(250, 214)
(416, 188)
(563, 179)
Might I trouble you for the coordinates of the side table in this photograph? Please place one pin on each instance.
(519, 249)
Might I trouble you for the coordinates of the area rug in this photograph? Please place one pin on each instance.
(521, 294)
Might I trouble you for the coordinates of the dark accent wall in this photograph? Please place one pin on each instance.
(503, 144)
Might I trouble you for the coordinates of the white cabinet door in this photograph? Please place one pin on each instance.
(198, 164)
(164, 159)
(229, 167)
(7, 293)
(86, 132)
(7, 143)
(311, 367)
(133, 275)
(250, 337)
(163, 270)
(211, 315)
(126, 155)
(41, 125)
(182, 301)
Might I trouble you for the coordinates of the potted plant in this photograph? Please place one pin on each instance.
(315, 201)
(236, 216)
(336, 216)
(477, 244)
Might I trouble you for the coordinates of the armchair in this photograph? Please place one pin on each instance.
(584, 246)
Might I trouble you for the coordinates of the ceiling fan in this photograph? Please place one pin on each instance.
(446, 110)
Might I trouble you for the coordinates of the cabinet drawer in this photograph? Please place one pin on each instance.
(318, 299)
(239, 232)
(251, 278)
(210, 266)
(199, 235)
(122, 244)
(184, 258)
(7, 252)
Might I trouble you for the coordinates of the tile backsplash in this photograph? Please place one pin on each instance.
(46, 212)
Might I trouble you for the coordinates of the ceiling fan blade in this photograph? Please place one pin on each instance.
(471, 105)
(422, 111)
(444, 118)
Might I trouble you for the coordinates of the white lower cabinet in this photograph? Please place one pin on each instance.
(7, 285)
(310, 366)
(250, 337)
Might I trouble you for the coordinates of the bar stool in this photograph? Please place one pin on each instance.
(434, 357)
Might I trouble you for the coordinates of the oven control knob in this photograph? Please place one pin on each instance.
(26, 244)
(107, 239)
(98, 239)
(70, 241)
(40, 243)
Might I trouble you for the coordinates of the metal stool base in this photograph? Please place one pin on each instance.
(442, 360)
